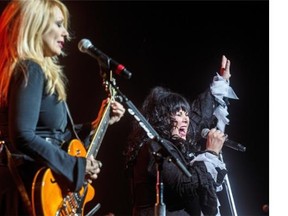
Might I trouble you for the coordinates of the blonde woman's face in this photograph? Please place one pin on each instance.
(54, 37)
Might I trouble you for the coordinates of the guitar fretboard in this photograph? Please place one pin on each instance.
(99, 132)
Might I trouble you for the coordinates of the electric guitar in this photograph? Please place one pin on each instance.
(50, 197)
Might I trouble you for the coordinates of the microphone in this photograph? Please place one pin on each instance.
(229, 143)
(86, 46)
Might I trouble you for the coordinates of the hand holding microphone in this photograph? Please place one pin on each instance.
(215, 136)
(215, 140)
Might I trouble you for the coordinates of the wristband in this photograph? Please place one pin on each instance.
(212, 152)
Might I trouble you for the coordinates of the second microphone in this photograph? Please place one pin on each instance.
(229, 143)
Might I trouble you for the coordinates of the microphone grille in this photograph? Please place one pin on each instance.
(84, 44)
(205, 132)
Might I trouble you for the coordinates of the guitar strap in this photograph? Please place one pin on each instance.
(19, 182)
(71, 121)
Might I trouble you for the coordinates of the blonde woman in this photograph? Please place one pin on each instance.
(34, 119)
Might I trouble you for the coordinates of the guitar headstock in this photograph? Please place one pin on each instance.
(109, 85)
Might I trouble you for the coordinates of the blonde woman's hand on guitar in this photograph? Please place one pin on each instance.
(117, 112)
(92, 168)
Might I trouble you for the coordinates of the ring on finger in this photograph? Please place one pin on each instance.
(100, 164)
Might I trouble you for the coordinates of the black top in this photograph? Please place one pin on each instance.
(33, 116)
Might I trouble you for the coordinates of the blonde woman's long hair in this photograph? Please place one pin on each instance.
(22, 24)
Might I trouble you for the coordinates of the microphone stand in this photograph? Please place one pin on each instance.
(151, 132)
(160, 208)
(229, 191)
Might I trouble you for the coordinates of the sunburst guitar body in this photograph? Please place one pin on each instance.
(50, 197)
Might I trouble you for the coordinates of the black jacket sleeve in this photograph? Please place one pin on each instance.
(32, 115)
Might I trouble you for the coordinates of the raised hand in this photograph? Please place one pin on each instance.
(225, 68)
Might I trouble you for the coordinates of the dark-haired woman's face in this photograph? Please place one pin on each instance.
(181, 124)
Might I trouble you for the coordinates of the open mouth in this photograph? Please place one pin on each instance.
(183, 131)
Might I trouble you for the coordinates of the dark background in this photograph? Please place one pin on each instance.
(177, 44)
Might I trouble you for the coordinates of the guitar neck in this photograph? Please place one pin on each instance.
(100, 130)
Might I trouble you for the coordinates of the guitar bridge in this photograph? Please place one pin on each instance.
(72, 204)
